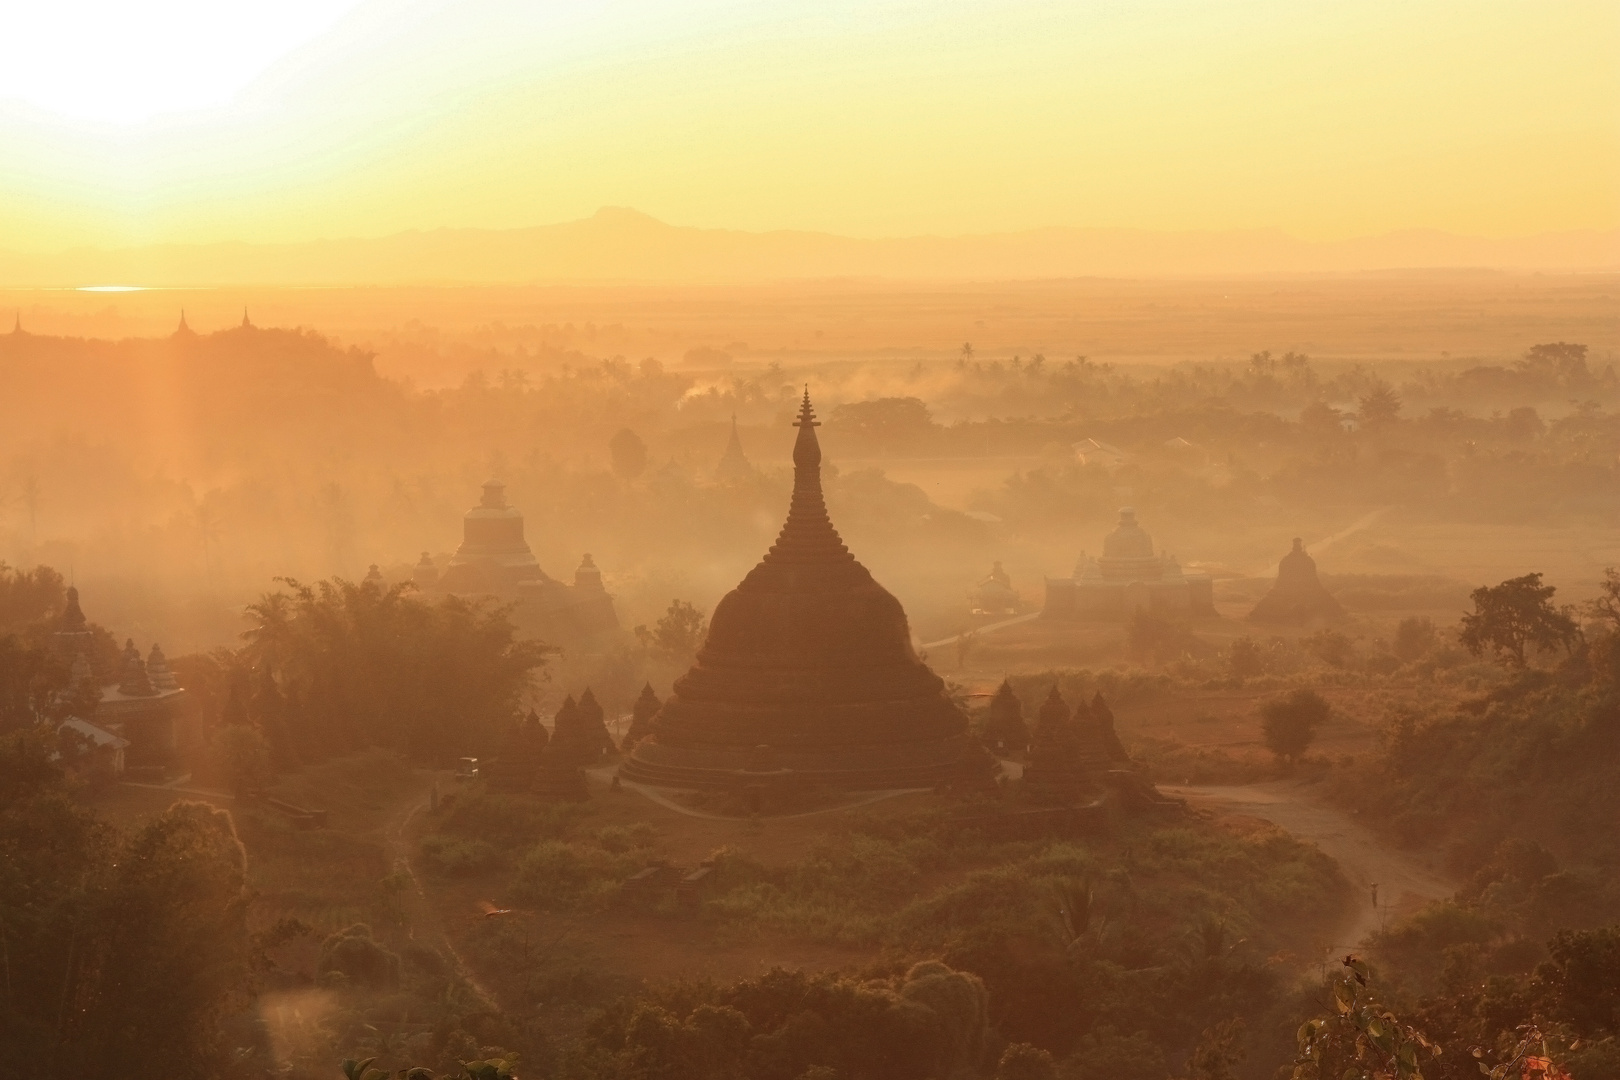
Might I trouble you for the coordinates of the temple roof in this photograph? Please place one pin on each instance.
(1128, 540)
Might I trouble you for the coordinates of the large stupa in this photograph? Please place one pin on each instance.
(808, 674)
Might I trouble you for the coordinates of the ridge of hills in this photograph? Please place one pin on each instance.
(619, 245)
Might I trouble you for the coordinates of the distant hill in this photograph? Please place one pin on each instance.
(620, 245)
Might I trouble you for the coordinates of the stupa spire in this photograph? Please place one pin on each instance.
(733, 463)
(245, 323)
(808, 534)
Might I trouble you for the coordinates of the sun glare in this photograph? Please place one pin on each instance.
(121, 63)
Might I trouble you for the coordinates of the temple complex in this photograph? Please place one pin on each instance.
(1127, 578)
(1299, 597)
(994, 595)
(141, 715)
(146, 707)
(494, 560)
(807, 674)
(734, 465)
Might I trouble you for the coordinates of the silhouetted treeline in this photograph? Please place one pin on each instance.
(337, 666)
(124, 952)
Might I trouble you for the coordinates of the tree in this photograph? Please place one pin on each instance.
(678, 635)
(1022, 1061)
(123, 955)
(1245, 659)
(338, 666)
(629, 454)
(885, 424)
(1290, 722)
(1361, 1040)
(1606, 611)
(1414, 637)
(1510, 617)
(245, 755)
(1378, 406)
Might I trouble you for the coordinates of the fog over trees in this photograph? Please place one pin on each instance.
(416, 700)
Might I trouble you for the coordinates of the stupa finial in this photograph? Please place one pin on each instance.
(807, 413)
(246, 324)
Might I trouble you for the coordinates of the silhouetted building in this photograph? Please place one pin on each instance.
(808, 669)
(1004, 729)
(994, 595)
(146, 707)
(1299, 596)
(641, 714)
(733, 464)
(494, 560)
(1128, 578)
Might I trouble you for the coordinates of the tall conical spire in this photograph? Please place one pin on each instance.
(733, 463)
(808, 534)
(16, 327)
(245, 323)
(183, 330)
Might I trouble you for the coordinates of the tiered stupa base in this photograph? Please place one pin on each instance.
(877, 768)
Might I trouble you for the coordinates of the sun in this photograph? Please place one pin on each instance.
(116, 62)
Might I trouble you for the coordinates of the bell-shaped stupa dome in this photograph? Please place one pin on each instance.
(1299, 596)
(811, 658)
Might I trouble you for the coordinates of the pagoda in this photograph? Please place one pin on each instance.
(495, 560)
(1298, 597)
(734, 465)
(808, 664)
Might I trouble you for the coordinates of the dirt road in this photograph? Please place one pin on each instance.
(1405, 881)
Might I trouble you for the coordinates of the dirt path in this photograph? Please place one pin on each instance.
(657, 796)
(420, 915)
(1405, 881)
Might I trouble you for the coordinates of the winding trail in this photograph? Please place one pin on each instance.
(655, 795)
(1404, 881)
(420, 914)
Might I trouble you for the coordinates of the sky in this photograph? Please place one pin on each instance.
(189, 121)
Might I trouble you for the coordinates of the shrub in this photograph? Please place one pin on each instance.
(452, 857)
(1414, 637)
(357, 957)
(1290, 722)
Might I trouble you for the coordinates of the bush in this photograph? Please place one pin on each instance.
(1290, 722)
(1414, 637)
(449, 856)
(356, 958)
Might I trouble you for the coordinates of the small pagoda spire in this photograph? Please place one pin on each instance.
(246, 324)
(184, 329)
(733, 463)
(134, 681)
(16, 327)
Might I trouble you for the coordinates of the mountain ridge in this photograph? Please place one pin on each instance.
(623, 245)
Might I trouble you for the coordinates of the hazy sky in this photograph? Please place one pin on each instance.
(200, 120)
